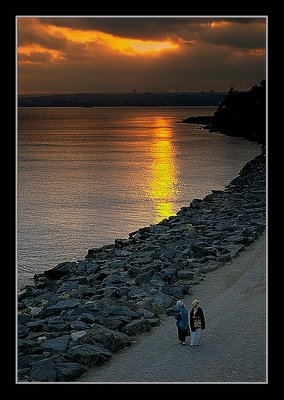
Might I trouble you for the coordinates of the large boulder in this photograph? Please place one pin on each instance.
(136, 327)
(60, 270)
(88, 354)
(115, 341)
(57, 345)
(68, 371)
(43, 371)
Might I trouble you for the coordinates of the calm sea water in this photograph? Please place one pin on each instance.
(86, 176)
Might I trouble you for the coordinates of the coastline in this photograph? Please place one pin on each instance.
(80, 314)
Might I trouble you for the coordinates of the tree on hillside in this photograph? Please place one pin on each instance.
(242, 114)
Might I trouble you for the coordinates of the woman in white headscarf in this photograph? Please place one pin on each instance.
(181, 316)
(197, 323)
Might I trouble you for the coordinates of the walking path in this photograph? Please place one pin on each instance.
(233, 347)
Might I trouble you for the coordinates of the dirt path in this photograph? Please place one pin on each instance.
(233, 347)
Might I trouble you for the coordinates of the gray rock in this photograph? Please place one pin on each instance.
(235, 249)
(122, 253)
(144, 278)
(81, 279)
(57, 327)
(224, 258)
(136, 236)
(114, 278)
(41, 339)
(136, 327)
(122, 310)
(60, 270)
(154, 322)
(35, 311)
(37, 326)
(185, 274)
(78, 325)
(199, 249)
(104, 304)
(195, 203)
(113, 323)
(136, 292)
(133, 272)
(115, 341)
(67, 286)
(88, 318)
(68, 371)
(22, 331)
(176, 291)
(122, 242)
(112, 292)
(117, 264)
(27, 361)
(23, 374)
(35, 335)
(77, 335)
(195, 265)
(212, 265)
(159, 302)
(147, 314)
(64, 305)
(167, 274)
(43, 371)
(169, 253)
(57, 345)
(24, 319)
(88, 354)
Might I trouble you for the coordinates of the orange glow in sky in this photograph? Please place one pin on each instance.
(219, 24)
(258, 52)
(123, 45)
(250, 52)
(36, 48)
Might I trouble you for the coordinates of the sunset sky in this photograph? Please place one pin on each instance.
(119, 54)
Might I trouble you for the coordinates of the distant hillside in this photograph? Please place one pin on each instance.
(122, 99)
(240, 114)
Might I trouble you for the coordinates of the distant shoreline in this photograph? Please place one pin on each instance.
(118, 106)
(200, 120)
(88, 100)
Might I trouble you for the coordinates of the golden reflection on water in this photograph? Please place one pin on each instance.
(163, 171)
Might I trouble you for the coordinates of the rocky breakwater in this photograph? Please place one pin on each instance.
(79, 314)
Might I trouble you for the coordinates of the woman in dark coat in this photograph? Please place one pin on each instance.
(197, 323)
(181, 316)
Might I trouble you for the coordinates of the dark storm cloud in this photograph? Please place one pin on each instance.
(147, 28)
(236, 35)
(131, 27)
(29, 33)
(211, 66)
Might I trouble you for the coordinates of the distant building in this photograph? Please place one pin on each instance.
(133, 90)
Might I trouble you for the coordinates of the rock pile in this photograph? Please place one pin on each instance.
(80, 313)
